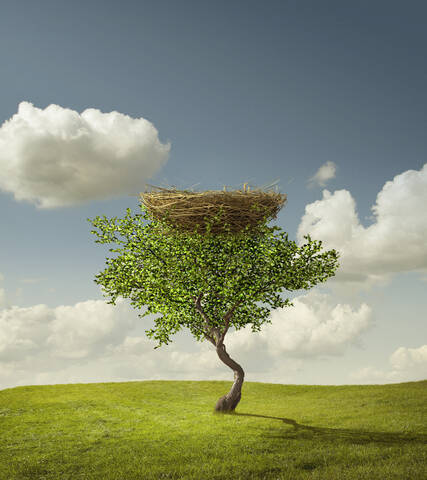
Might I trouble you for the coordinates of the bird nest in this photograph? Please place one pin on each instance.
(226, 211)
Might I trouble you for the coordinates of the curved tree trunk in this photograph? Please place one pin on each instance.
(229, 402)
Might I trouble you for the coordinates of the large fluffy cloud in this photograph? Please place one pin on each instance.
(407, 364)
(57, 157)
(396, 242)
(314, 326)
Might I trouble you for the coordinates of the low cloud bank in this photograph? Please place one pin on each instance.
(407, 365)
(94, 341)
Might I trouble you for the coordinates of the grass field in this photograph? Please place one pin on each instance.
(167, 430)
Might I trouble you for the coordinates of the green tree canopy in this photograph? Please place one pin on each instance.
(205, 282)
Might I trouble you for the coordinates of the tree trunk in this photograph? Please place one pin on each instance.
(229, 402)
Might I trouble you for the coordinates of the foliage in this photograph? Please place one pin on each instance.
(172, 273)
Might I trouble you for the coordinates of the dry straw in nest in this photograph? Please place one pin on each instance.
(188, 211)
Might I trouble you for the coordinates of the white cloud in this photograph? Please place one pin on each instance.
(407, 365)
(132, 346)
(369, 375)
(314, 326)
(409, 358)
(57, 157)
(325, 173)
(94, 341)
(23, 330)
(395, 243)
(77, 331)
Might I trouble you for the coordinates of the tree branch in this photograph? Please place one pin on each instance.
(148, 248)
(227, 318)
(229, 314)
(166, 294)
(213, 334)
(162, 260)
(210, 330)
(206, 335)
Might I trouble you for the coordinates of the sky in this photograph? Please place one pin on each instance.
(327, 99)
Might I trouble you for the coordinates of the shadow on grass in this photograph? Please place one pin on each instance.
(300, 432)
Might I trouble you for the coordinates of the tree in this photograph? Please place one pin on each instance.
(207, 283)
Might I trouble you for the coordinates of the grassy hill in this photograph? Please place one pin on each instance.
(167, 430)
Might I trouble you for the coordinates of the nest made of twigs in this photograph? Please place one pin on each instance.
(188, 211)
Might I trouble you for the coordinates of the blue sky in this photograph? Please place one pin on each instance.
(328, 97)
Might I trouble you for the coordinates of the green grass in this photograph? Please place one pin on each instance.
(167, 430)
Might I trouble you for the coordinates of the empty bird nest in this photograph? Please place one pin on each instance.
(188, 211)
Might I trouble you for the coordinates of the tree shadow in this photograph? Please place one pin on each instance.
(300, 432)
